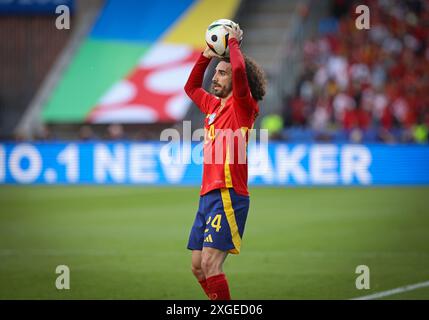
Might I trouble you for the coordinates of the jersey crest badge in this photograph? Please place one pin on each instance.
(212, 118)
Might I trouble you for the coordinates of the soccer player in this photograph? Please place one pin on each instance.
(237, 85)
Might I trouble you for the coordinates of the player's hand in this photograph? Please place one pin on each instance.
(209, 53)
(235, 32)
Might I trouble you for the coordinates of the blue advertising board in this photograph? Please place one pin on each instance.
(154, 163)
(33, 6)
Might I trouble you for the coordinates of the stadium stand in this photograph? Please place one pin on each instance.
(29, 124)
(115, 67)
(364, 86)
(328, 81)
(28, 48)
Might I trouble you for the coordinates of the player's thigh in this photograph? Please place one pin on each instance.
(196, 259)
(196, 236)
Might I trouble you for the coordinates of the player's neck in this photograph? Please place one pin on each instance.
(223, 100)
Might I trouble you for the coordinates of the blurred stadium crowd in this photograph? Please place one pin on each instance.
(363, 85)
(354, 85)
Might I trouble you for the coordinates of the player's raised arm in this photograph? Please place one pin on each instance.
(240, 85)
(193, 86)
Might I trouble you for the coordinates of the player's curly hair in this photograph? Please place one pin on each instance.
(255, 77)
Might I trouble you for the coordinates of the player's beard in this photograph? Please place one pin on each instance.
(220, 91)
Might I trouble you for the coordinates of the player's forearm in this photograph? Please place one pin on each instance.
(239, 78)
(195, 80)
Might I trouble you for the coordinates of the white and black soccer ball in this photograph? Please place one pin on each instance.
(217, 36)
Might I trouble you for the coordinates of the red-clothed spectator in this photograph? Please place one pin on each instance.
(356, 118)
(386, 119)
(298, 111)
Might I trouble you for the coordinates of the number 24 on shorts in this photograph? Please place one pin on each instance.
(215, 222)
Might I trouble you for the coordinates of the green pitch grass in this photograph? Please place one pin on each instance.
(130, 242)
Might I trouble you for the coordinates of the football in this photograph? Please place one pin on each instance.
(217, 36)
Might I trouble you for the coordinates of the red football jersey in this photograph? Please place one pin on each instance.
(227, 130)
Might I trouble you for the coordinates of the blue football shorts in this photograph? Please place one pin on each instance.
(220, 221)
